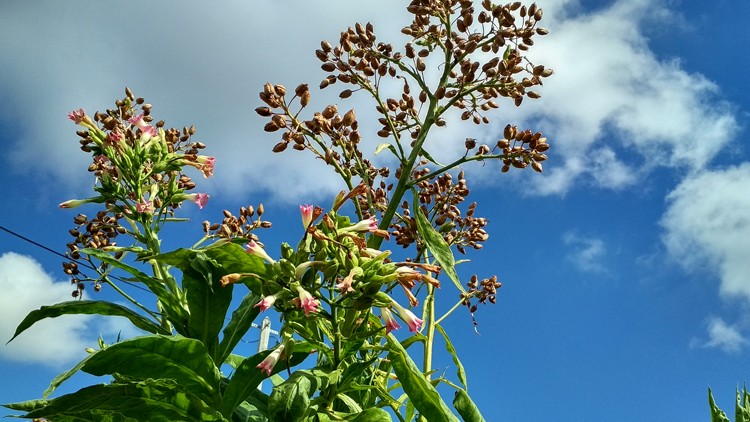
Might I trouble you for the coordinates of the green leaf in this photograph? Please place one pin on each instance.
(460, 372)
(742, 407)
(184, 360)
(242, 320)
(419, 389)
(207, 300)
(247, 377)
(64, 376)
(372, 414)
(231, 256)
(466, 407)
(149, 400)
(383, 146)
(717, 415)
(87, 307)
(436, 244)
(290, 400)
(350, 403)
(426, 155)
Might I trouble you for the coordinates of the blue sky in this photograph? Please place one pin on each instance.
(625, 266)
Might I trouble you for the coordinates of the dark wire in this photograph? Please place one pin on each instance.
(83, 263)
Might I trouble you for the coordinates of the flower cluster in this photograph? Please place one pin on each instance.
(138, 166)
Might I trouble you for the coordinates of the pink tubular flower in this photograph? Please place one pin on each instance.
(73, 203)
(346, 284)
(306, 211)
(138, 120)
(415, 324)
(148, 132)
(200, 199)
(270, 361)
(265, 303)
(307, 301)
(389, 320)
(114, 137)
(206, 165)
(77, 115)
(144, 206)
(254, 248)
(367, 225)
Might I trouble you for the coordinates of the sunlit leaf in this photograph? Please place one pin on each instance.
(460, 372)
(421, 392)
(184, 360)
(87, 307)
(466, 407)
(717, 415)
(241, 321)
(436, 244)
(149, 400)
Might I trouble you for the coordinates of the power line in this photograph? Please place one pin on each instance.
(83, 263)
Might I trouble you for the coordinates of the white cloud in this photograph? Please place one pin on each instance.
(611, 93)
(206, 64)
(722, 336)
(707, 225)
(585, 252)
(26, 286)
(53, 341)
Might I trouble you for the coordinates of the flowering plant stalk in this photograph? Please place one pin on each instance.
(338, 289)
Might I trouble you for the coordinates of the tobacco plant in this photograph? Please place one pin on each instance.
(377, 255)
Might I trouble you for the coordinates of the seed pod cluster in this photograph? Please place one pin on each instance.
(238, 227)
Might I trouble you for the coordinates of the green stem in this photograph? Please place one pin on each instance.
(129, 298)
(459, 303)
(429, 319)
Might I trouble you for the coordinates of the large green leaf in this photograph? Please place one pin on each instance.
(247, 377)
(466, 407)
(208, 301)
(290, 401)
(436, 244)
(242, 320)
(419, 389)
(184, 360)
(717, 415)
(231, 256)
(87, 307)
(742, 407)
(149, 400)
(459, 367)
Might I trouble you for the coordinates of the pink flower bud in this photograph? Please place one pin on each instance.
(415, 324)
(77, 116)
(270, 361)
(389, 320)
(307, 301)
(306, 211)
(255, 249)
(265, 303)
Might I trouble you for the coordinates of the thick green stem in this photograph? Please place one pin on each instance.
(428, 315)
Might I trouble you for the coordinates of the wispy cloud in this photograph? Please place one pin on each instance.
(612, 95)
(585, 252)
(723, 336)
